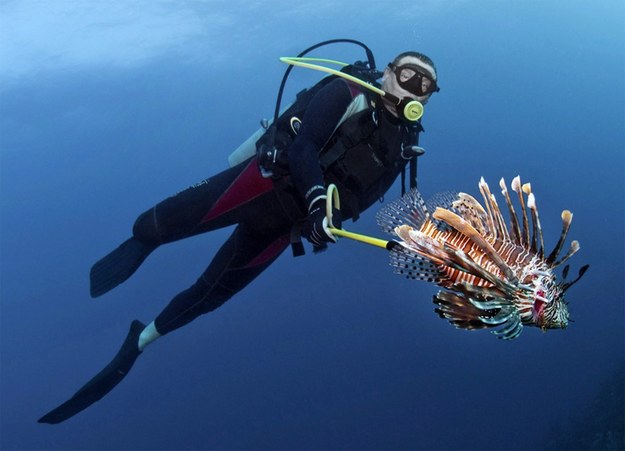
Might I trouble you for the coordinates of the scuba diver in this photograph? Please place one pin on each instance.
(348, 130)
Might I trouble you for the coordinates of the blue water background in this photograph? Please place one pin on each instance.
(106, 108)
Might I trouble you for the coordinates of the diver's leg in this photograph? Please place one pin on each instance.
(239, 261)
(205, 206)
(243, 257)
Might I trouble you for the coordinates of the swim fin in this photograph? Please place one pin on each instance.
(103, 382)
(118, 266)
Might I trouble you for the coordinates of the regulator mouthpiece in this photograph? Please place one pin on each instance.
(413, 110)
(406, 108)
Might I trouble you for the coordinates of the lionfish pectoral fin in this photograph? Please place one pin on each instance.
(458, 311)
(412, 265)
(491, 304)
(512, 329)
(501, 317)
(466, 229)
(423, 244)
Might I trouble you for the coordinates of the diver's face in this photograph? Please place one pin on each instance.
(391, 85)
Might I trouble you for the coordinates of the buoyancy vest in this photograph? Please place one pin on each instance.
(363, 156)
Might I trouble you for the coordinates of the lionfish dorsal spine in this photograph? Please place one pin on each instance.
(490, 218)
(466, 229)
(516, 187)
(515, 229)
(537, 234)
(572, 250)
(567, 217)
(496, 216)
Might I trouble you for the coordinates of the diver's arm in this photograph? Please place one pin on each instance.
(322, 116)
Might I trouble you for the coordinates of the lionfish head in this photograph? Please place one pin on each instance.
(550, 310)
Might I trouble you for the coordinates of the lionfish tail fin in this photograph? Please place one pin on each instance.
(409, 210)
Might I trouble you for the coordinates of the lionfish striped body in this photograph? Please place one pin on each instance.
(493, 276)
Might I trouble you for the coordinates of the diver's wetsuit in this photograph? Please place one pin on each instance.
(344, 138)
(265, 210)
(238, 195)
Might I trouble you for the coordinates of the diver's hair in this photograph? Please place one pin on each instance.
(419, 56)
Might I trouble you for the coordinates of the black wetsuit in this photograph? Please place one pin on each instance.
(265, 210)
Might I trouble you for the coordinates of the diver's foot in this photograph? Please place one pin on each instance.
(103, 382)
(118, 266)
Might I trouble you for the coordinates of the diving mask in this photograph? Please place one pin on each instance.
(414, 79)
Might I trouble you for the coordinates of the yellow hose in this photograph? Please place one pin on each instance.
(306, 62)
(358, 237)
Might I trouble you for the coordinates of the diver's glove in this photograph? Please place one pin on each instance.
(316, 229)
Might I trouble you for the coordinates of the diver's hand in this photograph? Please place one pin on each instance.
(316, 229)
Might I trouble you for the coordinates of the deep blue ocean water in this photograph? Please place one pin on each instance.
(106, 108)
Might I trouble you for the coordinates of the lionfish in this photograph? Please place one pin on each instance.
(494, 276)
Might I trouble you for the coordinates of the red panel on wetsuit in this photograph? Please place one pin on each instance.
(270, 252)
(247, 186)
(354, 89)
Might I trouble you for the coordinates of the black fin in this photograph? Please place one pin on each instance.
(103, 382)
(118, 266)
